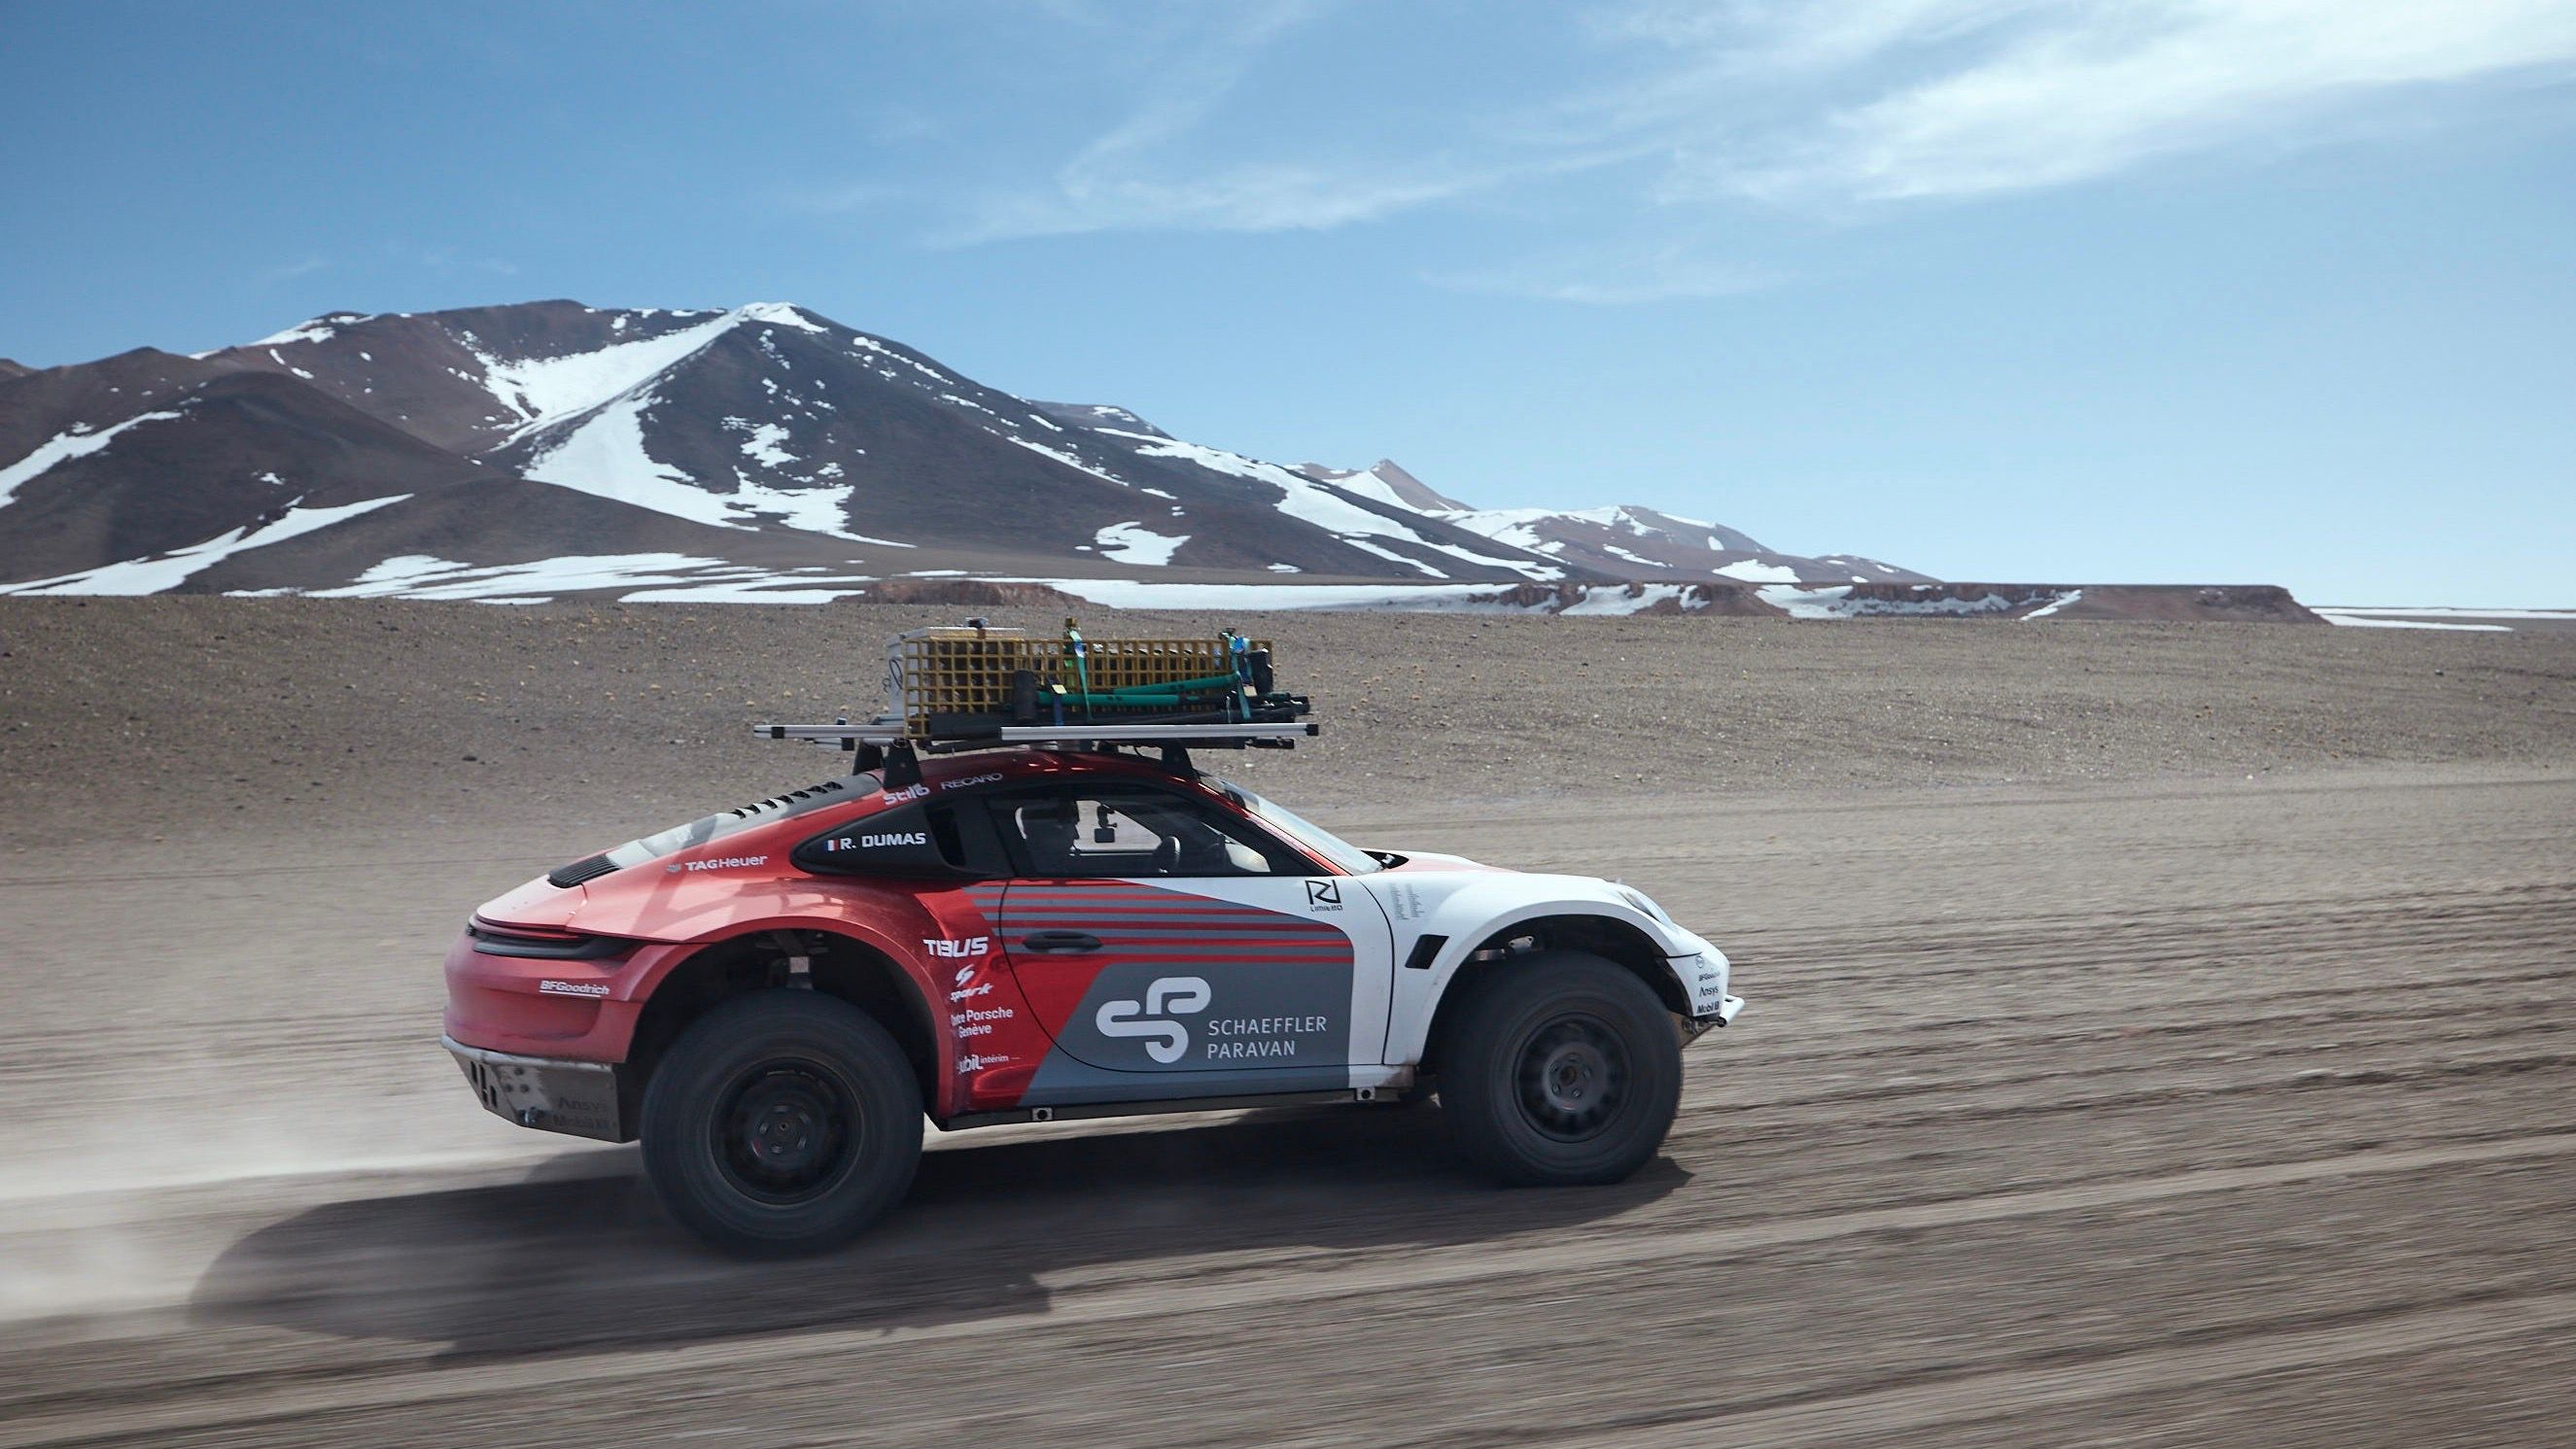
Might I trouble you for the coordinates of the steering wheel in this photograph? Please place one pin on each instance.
(1167, 856)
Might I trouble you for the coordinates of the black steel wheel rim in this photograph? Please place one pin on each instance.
(786, 1131)
(1571, 1075)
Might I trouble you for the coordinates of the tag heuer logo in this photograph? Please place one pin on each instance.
(1323, 893)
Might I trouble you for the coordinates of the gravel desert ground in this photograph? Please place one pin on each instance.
(2158, 1034)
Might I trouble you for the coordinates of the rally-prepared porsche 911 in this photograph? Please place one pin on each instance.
(771, 999)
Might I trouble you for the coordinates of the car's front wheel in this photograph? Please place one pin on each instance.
(781, 1122)
(1561, 1068)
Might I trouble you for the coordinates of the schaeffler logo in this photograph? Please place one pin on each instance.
(1177, 995)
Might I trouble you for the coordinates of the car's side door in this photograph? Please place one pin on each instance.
(1170, 946)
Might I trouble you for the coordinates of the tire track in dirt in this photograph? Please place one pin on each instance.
(1100, 1297)
(1915, 1408)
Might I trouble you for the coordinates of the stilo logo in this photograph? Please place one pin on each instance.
(1324, 894)
(1178, 995)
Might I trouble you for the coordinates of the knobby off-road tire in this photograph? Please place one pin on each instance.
(1561, 1068)
(781, 1122)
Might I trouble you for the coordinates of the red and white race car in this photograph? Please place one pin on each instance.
(772, 998)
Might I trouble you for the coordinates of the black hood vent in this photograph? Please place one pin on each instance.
(568, 876)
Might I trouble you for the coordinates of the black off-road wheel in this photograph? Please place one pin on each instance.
(1561, 1069)
(782, 1122)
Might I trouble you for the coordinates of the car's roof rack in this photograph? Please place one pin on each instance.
(882, 744)
(978, 688)
(1074, 735)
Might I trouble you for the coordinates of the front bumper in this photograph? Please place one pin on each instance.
(1695, 1027)
(550, 1094)
(1705, 974)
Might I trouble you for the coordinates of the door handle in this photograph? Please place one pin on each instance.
(1050, 941)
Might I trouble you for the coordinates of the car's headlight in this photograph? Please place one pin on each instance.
(1645, 903)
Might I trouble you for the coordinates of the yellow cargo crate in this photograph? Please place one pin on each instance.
(964, 670)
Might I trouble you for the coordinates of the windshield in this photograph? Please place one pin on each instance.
(1340, 852)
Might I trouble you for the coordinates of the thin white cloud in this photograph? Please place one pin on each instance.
(289, 271)
(1274, 196)
(1801, 103)
(1616, 276)
(1929, 98)
(1148, 172)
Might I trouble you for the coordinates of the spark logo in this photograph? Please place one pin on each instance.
(1177, 995)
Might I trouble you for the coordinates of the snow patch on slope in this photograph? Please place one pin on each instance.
(1132, 543)
(1617, 601)
(1071, 461)
(62, 448)
(762, 446)
(2352, 620)
(1308, 501)
(167, 571)
(425, 576)
(320, 329)
(650, 578)
(1837, 602)
(549, 389)
(779, 314)
(1754, 571)
(1140, 594)
(605, 456)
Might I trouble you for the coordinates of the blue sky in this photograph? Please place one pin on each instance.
(2163, 290)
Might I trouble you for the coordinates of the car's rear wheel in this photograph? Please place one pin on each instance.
(1561, 1068)
(781, 1122)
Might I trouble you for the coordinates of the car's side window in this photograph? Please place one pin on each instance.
(1120, 830)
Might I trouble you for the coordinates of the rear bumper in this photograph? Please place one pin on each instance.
(551, 1094)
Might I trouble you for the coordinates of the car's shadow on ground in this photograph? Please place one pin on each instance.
(566, 1261)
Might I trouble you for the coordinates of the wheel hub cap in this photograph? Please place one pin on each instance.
(1572, 1077)
(786, 1131)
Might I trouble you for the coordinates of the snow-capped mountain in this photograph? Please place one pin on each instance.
(764, 451)
(1626, 541)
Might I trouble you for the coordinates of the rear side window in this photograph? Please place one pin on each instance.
(1125, 831)
(917, 839)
